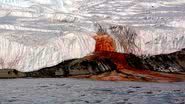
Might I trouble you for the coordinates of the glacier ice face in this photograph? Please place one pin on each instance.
(159, 24)
(16, 55)
(159, 41)
(32, 34)
(148, 41)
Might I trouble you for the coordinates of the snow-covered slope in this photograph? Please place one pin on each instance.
(39, 33)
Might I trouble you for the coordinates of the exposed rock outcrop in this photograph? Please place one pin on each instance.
(127, 72)
(172, 63)
(74, 67)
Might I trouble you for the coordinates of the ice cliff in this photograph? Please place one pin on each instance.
(18, 55)
(30, 40)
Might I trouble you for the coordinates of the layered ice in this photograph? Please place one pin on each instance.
(38, 54)
(30, 39)
(40, 33)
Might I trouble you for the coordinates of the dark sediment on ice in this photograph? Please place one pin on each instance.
(75, 67)
(67, 68)
(126, 71)
(171, 63)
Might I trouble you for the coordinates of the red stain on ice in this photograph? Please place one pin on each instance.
(105, 48)
(104, 43)
(126, 73)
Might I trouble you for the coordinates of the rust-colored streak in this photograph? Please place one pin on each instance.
(127, 76)
(117, 58)
(104, 43)
(126, 73)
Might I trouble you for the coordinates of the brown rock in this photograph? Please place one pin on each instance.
(125, 72)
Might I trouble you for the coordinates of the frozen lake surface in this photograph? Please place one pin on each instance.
(78, 91)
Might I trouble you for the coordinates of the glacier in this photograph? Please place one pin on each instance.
(39, 33)
(24, 58)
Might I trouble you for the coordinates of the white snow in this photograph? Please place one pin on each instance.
(39, 33)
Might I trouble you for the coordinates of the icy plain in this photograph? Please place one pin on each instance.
(75, 91)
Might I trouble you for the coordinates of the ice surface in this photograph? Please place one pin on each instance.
(30, 30)
(25, 54)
